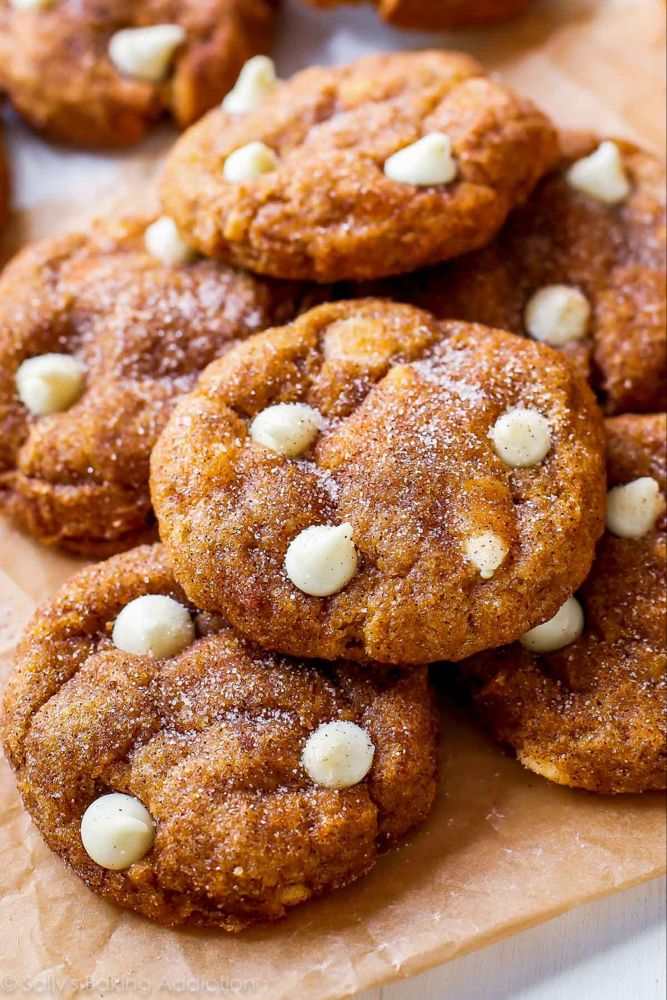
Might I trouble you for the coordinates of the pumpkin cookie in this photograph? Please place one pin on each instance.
(368, 483)
(439, 15)
(97, 72)
(188, 775)
(580, 267)
(98, 337)
(360, 171)
(582, 698)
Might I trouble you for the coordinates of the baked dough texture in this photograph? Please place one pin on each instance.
(405, 458)
(144, 331)
(435, 15)
(55, 66)
(328, 212)
(614, 254)
(592, 715)
(210, 741)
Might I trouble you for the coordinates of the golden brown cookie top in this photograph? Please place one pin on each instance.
(63, 68)
(410, 455)
(591, 714)
(210, 740)
(611, 253)
(437, 15)
(75, 472)
(323, 198)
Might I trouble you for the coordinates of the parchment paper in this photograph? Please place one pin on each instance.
(503, 849)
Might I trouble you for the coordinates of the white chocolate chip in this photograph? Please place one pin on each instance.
(164, 242)
(288, 428)
(153, 625)
(546, 768)
(521, 437)
(354, 340)
(425, 163)
(292, 895)
(117, 831)
(146, 53)
(322, 559)
(250, 161)
(257, 81)
(563, 629)
(338, 755)
(30, 4)
(557, 315)
(633, 509)
(50, 383)
(601, 175)
(486, 552)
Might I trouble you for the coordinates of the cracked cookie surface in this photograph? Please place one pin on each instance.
(143, 332)
(591, 715)
(210, 742)
(328, 211)
(56, 69)
(404, 457)
(613, 254)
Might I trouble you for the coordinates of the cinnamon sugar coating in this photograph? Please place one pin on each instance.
(328, 212)
(56, 70)
(405, 458)
(614, 254)
(144, 331)
(210, 742)
(593, 714)
(436, 15)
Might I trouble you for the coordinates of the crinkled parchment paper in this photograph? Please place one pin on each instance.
(503, 849)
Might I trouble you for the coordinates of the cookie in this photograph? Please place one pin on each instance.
(440, 15)
(359, 171)
(199, 779)
(368, 483)
(580, 272)
(582, 699)
(97, 339)
(102, 73)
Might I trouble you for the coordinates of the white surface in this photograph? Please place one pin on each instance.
(610, 950)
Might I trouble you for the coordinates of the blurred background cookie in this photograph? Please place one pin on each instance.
(102, 72)
(188, 775)
(435, 15)
(582, 698)
(580, 267)
(99, 333)
(4, 181)
(368, 483)
(359, 171)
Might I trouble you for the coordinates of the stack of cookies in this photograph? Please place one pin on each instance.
(387, 378)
